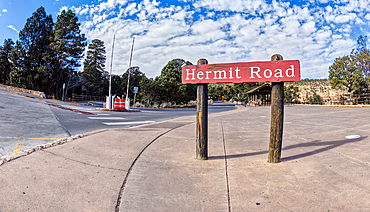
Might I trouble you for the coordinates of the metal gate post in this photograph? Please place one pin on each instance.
(277, 118)
(202, 119)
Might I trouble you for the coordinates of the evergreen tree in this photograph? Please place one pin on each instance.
(94, 68)
(135, 77)
(5, 63)
(170, 85)
(149, 91)
(362, 57)
(233, 91)
(352, 71)
(18, 74)
(35, 39)
(344, 73)
(67, 49)
(116, 85)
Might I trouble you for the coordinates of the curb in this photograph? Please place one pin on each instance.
(8, 158)
(122, 110)
(22, 90)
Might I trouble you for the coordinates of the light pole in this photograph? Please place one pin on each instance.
(110, 77)
(127, 105)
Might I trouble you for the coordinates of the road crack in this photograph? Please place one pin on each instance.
(84, 163)
(120, 195)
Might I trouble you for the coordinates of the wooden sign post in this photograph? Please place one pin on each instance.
(277, 118)
(277, 71)
(202, 119)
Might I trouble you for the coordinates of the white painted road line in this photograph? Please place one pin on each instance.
(110, 118)
(126, 123)
(84, 109)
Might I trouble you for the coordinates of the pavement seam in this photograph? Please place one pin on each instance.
(226, 167)
(122, 189)
(84, 163)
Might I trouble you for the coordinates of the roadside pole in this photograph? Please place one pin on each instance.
(277, 118)
(127, 104)
(136, 89)
(110, 98)
(64, 86)
(202, 118)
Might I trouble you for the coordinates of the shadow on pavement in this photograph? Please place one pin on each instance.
(325, 147)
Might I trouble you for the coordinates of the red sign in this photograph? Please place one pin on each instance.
(267, 71)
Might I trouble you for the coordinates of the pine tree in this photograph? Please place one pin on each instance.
(18, 74)
(352, 71)
(362, 54)
(344, 73)
(67, 49)
(5, 64)
(35, 39)
(94, 68)
(170, 87)
(135, 77)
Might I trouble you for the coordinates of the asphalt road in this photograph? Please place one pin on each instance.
(27, 122)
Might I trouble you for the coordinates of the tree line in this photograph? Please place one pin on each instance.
(48, 55)
(352, 71)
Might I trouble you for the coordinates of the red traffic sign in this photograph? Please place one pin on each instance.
(267, 71)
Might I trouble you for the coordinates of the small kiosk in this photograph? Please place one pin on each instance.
(260, 96)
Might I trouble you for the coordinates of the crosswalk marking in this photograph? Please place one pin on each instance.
(110, 118)
(127, 123)
(84, 109)
(147, 111)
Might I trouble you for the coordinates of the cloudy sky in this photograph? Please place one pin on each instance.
(222, 31)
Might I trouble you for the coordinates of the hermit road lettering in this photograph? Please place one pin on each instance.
(267, 71)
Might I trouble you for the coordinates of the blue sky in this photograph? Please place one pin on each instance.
(222, 31)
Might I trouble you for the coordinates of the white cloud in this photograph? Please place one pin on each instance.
(13, 28)
(63, 8)
(225, 31)
(5, 10)
(344, 18)
(233, 6)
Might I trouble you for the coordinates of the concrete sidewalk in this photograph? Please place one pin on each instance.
(153, 167)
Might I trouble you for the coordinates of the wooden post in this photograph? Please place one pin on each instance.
(277, 118)
(202, 119)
